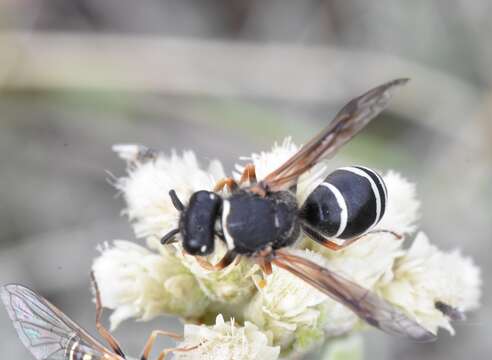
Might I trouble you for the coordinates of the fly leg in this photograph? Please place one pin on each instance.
(113, 343)
(150, 342)
(164, 353)
(228, 259)
(326, 242)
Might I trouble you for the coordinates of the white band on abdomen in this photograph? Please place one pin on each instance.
(343, 207)
(374, 188)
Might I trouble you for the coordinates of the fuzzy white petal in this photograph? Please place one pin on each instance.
(289, 307)
(426, 275)
(146, 189)
(226, 341)
(267, 161)
(136, 282)
(402, 208)
(233, 285)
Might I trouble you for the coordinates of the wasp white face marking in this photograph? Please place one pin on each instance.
(226, 206)
(343, 207)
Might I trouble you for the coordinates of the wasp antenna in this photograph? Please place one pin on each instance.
(176, 202)
(168, 237)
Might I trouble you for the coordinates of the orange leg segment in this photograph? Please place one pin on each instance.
(150, 342)
(326, 242)
(99, 326)
(229, 182)
(228, 259)
(249, 174)
(164, 353)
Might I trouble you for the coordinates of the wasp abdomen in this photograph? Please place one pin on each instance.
(349, 202)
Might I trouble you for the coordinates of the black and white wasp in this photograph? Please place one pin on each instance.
(259, 219)
(49, 334)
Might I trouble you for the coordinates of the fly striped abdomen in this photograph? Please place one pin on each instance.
(348, 203)
(77, 349)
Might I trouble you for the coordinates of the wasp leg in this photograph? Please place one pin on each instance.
(229, 182)
(99, 326)
(164, 353)
(249, 174)
(264, 264)
(322, 240)
(228, 259)
(378, 231)
(150, 342)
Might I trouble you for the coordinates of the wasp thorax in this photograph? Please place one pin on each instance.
(197, 222)
(252, 223)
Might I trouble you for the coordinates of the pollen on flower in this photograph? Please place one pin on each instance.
(262, 283)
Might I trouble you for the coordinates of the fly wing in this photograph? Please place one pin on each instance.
(347, 123)
(366, 304)
(44, 330)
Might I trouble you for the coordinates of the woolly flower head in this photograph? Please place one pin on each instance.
(146, 188)
(426, 276)
(289, 307)
(277, 313)
(226, 341)
(230, 286)
(136, 282)
(402, 208)
(267, 161)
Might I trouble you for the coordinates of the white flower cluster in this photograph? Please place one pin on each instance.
(278, 313)
(225, 341)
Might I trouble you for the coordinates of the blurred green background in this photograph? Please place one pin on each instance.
(226, 78)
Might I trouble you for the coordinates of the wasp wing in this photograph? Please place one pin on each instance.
(366, 304)
(44, 329)
(347, 123)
